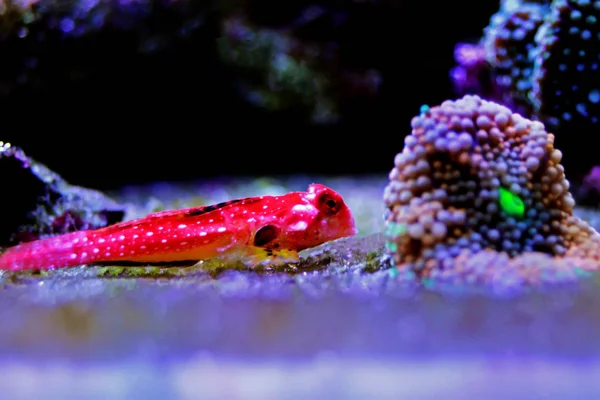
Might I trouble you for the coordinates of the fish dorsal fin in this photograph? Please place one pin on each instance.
(183, 213)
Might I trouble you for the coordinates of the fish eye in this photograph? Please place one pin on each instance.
(328, 204)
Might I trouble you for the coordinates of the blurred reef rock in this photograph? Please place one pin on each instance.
(37, 202)
(289, 61)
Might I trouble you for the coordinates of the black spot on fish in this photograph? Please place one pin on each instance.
(206, 209)
(265, 235)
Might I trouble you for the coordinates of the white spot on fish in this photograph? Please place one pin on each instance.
(83, 255)
(298, 226)
(122, 247)
(76, 241)
(211, 220)
(164, 241)
(142, 247)
(183, 243)
(221, 229)
(160, 228)
(107, 254)
(112, 239)
(302, 207)
(96, 250)
(265, 207)
(132, 252)
(149, 233)
(101, 240)
(121, 254)
(121, 237)
(84, 239)
(202, 233)
(136, 236)
(188, 235)
(136, 227)
(206, 241)
(250, 220)
(73, 256)
(182, 226)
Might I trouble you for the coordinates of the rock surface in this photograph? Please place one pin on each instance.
(37, 202)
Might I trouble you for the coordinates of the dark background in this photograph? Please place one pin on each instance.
(177, 115)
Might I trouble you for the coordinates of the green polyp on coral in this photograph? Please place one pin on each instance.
(511, 203)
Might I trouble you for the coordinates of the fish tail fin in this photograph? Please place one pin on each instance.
(53, 252)
(253, 256)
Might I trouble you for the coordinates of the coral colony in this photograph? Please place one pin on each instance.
(478, 190)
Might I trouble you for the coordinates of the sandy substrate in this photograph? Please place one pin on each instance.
(338, 332)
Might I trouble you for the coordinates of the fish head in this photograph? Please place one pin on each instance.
(320, 215)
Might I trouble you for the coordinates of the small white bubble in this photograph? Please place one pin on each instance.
(160, 228)
(96, 250)
(107, 254)
(121, 237)
(73, 256)
(112, 239)
(182, 226)
(101, 240)
(76, 241)
(149, 233)
(211, 220)
(202, 233)
(84, 255)
(136, 236)
(122, 247)
(84, 239)
(164, 241)
(222, 229)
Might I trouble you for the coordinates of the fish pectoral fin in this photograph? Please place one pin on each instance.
(253, 256)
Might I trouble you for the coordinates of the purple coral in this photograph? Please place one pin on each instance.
(443, 195)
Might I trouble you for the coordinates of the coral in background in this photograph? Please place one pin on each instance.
(541, 60)
(507, 42)
(566, 82)
(447, 216)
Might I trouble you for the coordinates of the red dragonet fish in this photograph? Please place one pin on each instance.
(265, 229)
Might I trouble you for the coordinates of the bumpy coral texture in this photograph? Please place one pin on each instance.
(566, 82)
(507, 42)
(445, 219)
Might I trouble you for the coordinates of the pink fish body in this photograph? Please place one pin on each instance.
(261, 228)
